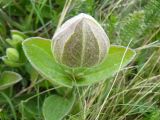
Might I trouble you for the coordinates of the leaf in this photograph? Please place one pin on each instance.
(31, 109)
(8, 79)
(56, 107)
(20, 34)
(118, 57)
(11, 63)
(38, 52)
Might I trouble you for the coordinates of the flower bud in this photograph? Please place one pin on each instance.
(80, 42)
(12, 54)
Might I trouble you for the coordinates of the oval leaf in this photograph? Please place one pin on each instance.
(56, 107)
(9, 78)
(38, 52)
(117, 58)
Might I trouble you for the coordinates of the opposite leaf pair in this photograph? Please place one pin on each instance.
(77, 54)
(38, 52)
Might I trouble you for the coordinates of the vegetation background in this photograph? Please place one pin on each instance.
(133, 94)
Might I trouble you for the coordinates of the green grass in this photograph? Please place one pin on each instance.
(132, 94)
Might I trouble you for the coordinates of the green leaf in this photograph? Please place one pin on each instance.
(30, 109)
(11, 63)
(117, 58)
(56, 107)
(18, 33)
(38, 52)
(9, 78)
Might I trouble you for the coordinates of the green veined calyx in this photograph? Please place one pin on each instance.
(80, 42)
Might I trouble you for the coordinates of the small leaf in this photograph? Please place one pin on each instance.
(9, 78)
(56, 107)
(30, 109)
(11, 63)
(18, 33)
(17, 38)
(38, 52)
